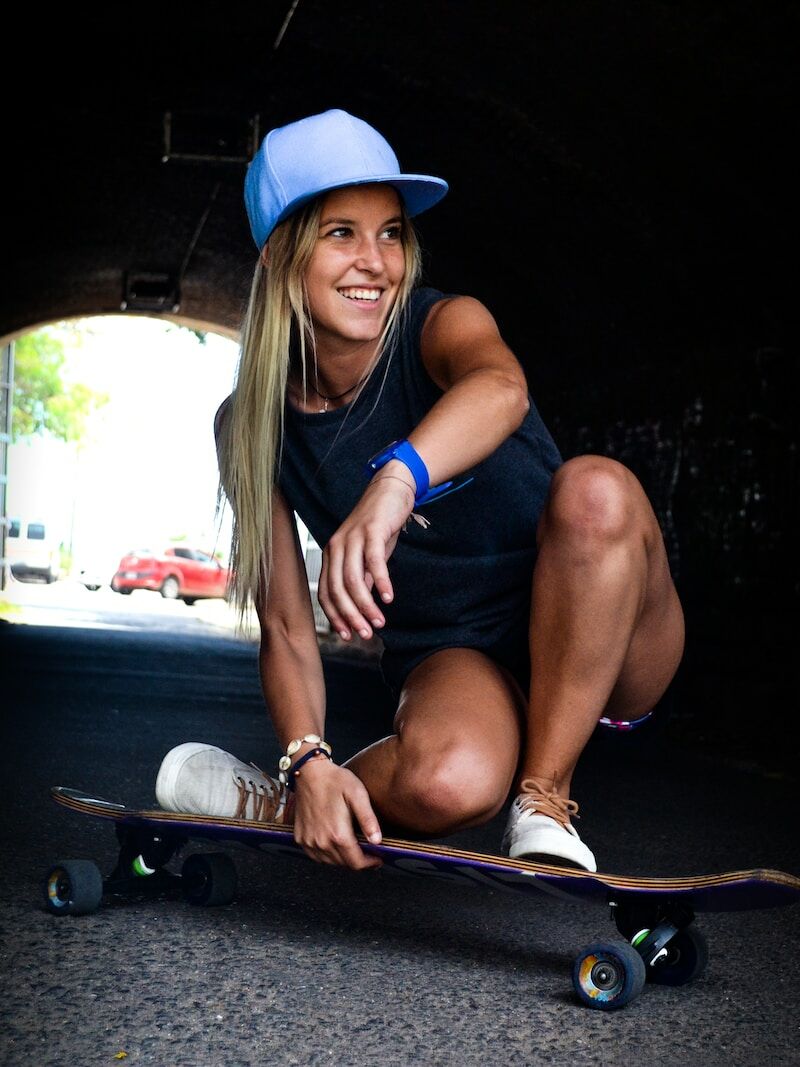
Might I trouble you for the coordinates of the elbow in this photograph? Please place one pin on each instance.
(524, 403)
(517, 399)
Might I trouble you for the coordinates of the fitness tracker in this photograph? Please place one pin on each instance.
(407, 454)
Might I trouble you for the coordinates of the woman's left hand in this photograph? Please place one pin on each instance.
(354, 560)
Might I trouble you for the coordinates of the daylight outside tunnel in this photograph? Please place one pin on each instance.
(112, 477)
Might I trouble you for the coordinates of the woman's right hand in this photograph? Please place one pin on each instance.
(328, 798)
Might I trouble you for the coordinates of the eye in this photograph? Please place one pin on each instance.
(339, 231)
(392, 233)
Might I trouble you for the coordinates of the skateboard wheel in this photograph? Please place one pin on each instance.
(73, 887)
(685, 958)
(208, 879)
(608, 975)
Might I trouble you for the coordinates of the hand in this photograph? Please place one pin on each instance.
(327, 799)
(354, 560)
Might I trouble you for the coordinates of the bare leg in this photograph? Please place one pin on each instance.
(606, 635)
(451, 763)
(606, 623)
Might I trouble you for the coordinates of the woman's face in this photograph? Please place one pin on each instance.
(357, 266)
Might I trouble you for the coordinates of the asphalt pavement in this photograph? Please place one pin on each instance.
(315, 965)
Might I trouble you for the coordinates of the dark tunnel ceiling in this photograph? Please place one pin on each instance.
(607, 161)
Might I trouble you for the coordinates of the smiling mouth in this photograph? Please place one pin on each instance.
(356, 293)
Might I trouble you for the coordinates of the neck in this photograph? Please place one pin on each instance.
(335, 372)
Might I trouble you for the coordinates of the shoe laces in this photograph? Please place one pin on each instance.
(534, 799)
(268, 798)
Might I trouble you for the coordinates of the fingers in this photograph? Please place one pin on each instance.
(337, 847)
(367, 820)
(375, 556)
(354, 570)
(340, 853)
(324, 824)
(345, 585)
(367, 612)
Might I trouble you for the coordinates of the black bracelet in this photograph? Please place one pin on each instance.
(304, 759)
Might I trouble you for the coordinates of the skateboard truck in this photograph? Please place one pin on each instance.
(140, 868)
(650, 927)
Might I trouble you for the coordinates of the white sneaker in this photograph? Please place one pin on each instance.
(539, 829)
(199, 779)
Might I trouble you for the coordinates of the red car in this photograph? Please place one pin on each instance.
(178, 574)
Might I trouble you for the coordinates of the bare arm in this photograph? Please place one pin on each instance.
(328, 797)
(485, 400)
(289, 660)
(486, 392)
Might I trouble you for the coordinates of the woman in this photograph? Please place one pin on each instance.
(519, 599)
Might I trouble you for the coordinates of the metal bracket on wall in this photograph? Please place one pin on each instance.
(150, 291)
(209, 137)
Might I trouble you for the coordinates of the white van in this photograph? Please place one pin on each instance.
(32, 551)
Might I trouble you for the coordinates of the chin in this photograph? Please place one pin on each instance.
(361, 331)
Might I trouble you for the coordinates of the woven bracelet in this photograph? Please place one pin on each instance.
(304, 759)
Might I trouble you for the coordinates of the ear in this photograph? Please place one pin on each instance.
(265, 255)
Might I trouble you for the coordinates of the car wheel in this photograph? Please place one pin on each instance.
(190, 600)
(170, 588)
(92, 588)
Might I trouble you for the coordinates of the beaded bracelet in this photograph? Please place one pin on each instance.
(304, 759)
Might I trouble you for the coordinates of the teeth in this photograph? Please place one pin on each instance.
(361, 294)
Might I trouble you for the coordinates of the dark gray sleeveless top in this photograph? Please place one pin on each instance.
(461, 581)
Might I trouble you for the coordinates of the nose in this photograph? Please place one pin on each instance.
(369, 256)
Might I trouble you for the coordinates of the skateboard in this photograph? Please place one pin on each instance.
(655, 916)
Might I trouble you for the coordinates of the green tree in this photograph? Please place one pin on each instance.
(43, 402)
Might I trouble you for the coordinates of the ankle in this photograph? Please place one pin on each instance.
(543, 783)
(535, 802)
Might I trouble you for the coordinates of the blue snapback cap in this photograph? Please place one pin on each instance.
(299, 161)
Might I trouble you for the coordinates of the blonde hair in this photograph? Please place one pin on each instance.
(250, 432)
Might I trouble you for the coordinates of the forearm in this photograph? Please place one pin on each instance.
(293, 685)
(468, 423)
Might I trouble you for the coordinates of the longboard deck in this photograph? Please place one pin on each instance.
(729, 891)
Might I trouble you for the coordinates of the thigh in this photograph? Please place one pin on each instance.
(461, 708)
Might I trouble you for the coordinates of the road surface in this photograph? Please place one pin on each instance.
(315, 965)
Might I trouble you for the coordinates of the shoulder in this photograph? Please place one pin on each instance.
(460, 336)
(421, 302)
(453, 316)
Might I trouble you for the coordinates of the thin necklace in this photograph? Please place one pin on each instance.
(339, 396)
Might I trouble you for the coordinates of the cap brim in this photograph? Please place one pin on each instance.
(419, 192)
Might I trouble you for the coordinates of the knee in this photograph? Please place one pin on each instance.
(594, 498)
(441, 793)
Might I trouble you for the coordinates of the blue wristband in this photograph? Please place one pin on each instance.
(407, 454)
